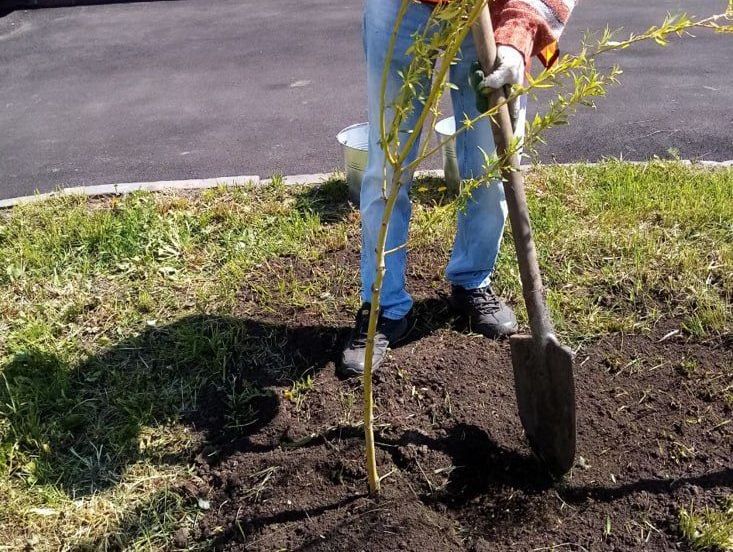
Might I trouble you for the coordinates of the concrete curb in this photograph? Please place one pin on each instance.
(128, 187)
(302, 179)
(314, 179)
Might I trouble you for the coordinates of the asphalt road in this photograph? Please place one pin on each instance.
(200, 88)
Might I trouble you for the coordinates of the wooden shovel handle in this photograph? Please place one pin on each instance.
(501, 126)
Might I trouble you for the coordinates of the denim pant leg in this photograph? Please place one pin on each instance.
(481, 224)
(379, 19)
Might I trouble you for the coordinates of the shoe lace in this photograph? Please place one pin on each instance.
(361, 328)
(485, 300)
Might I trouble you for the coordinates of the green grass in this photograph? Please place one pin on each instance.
(120, 317)
(622, 245)
(709, 528)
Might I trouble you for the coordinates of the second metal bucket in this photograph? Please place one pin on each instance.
(444, 131)
(354, 140)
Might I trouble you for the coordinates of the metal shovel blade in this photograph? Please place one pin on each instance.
(543, 381)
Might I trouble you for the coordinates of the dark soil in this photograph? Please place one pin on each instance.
(653, 437)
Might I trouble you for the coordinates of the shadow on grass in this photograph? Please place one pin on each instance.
(83, 424)
(80, 425)
(330, 201)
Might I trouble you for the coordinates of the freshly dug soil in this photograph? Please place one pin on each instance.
(654, 436)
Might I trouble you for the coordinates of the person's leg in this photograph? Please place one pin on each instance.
(379, 19)
(395, 302)
(481, 225)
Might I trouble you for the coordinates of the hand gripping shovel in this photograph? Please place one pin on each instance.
(543, 368)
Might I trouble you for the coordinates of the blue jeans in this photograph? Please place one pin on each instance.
(480, 226)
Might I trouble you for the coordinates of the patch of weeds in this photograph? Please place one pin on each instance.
(145, 302)
(277, 182)
(348, 401)
(433, 225)
(242, 404)
(432, 190)
(299, 390)
(710, 528)
(151, 525)
(681, 452)
(687, 368)
(259, 484)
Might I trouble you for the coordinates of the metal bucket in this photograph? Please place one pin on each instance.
(354, 140)
(445, 129)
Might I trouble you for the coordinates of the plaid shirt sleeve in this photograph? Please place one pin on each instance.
(532, 26)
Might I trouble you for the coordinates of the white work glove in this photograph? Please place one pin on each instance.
(509, 70)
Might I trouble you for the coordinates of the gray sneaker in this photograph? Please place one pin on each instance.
(388, 333)
(486, 313)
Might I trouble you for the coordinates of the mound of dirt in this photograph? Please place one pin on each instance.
(459, 475)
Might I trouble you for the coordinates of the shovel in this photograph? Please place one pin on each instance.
(543, 368)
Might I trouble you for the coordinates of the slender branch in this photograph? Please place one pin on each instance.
(466, 126)
(385, 75)
(373, 474)
(573, 62)
(395, 249)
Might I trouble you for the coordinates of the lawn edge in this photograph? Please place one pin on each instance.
(312, 179)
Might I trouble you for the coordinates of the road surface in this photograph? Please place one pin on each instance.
(195, 88)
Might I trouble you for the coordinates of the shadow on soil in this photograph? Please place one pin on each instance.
(331, 199)
(484, 472)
